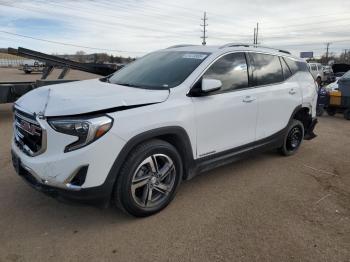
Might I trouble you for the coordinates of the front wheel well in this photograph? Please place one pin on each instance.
(182, 147)
(174, 135)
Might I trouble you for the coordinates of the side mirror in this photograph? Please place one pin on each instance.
(209, 85)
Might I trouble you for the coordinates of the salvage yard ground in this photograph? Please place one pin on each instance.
(265, 208)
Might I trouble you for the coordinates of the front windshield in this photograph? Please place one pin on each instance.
(159, 70)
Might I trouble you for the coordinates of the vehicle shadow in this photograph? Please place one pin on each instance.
(57, 212)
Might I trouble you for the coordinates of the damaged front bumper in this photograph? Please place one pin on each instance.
(95, 195)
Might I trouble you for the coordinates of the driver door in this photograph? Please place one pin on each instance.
(226, 118)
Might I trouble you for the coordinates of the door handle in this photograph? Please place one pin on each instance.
(248, 99)
(292, 91)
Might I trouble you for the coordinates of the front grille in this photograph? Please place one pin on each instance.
(28, 133)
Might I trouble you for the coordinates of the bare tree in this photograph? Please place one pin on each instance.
(80, 56)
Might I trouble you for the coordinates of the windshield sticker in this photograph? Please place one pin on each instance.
(194, 56)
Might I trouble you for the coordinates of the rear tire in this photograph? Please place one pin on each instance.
(148, 179)
(347, 114)
(293, 138)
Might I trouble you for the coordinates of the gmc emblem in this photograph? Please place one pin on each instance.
(28, 127)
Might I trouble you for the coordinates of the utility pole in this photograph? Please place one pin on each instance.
(257, 33)
(345, 54)
(204, 25)
(327, 51)
(254, 36)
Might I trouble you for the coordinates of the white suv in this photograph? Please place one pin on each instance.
(134, 136)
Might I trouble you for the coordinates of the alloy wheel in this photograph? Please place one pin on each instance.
(153, 180)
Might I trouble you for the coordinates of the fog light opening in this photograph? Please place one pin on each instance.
(79, 178)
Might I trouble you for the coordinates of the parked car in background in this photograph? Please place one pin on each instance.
(132, 137)
(328, 73)
(36, 67)
(317, 72)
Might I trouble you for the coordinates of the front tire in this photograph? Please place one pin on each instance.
(293, 138)
(149, 178)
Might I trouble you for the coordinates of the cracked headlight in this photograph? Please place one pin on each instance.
(87, 130)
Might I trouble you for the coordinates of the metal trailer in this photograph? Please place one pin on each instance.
(11, 91)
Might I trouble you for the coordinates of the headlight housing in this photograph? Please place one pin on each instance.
(87, 130)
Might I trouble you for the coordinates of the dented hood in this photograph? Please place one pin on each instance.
(85, 97)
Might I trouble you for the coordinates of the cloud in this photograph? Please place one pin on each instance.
(137, 27)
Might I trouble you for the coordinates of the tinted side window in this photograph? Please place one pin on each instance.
(286, 72)
(313, 67)
(292, 65)
(232, 70)
(266, 69)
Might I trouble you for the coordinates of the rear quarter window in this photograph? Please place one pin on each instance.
(286, 71)
(296, 66)
(293, 65)
(266, 69)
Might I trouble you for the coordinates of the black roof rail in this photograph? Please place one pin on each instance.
(284, 51)
(177, 46)
(253, 45)
(235, 45)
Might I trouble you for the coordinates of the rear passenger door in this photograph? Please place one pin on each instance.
(277, 91)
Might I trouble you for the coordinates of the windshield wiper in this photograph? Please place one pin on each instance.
(105, 79)
(127, 84)
(140, 86)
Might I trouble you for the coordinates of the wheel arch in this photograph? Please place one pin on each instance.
(175, 135)
(303, 114)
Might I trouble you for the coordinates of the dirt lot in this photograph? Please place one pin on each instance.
(266, 208)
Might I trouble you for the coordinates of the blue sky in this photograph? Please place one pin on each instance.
(38, 26)
(135, 27)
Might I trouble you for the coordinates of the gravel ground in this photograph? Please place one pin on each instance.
(265, 208)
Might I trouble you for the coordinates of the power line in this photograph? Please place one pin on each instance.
(204, 25)
(91, 20)
(111, 23)
(219, 15)
(68, 44)
(311, 23)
